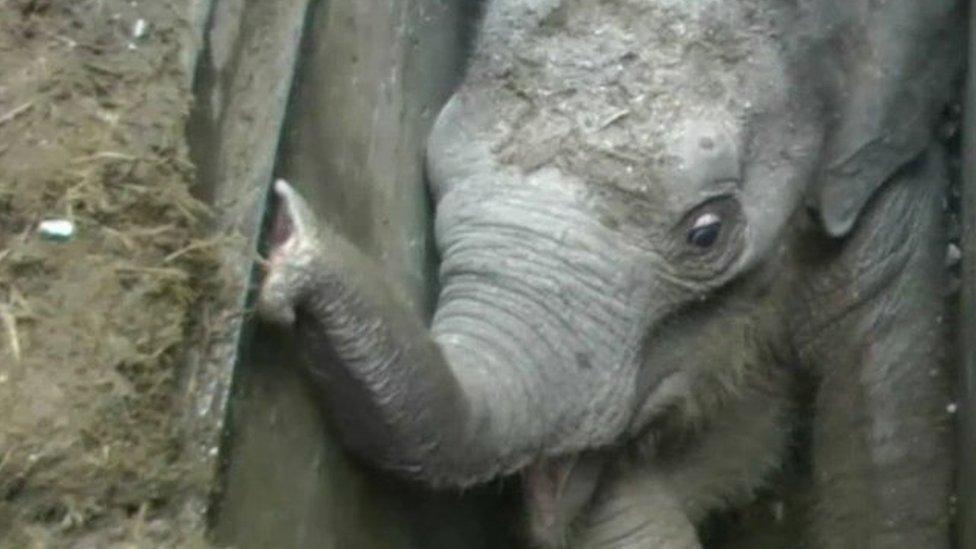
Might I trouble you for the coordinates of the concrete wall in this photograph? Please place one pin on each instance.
(966, 418)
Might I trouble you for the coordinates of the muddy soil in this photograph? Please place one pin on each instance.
(92, 112)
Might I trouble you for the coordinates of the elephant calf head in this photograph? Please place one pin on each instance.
(604, 165)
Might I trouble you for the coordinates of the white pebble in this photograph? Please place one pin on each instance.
(953, 255)
(952, 408)
(139, 28)
(56, 229)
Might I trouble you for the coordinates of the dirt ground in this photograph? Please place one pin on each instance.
(92, 115)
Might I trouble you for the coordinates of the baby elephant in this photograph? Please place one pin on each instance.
(654, 217)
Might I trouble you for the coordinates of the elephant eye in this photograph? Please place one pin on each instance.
(709, 233)
(708, 238)
(705, 230)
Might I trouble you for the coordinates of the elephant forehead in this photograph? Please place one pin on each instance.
(600, 90)
(518, 16)
(590, 34)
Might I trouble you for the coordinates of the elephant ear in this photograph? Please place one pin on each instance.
(889, 67)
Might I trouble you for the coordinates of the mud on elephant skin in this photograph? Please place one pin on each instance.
(653, 216)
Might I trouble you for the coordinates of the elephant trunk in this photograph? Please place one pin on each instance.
(532, 352)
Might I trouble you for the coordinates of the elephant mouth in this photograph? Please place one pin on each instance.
(545, 482)
(556, 491)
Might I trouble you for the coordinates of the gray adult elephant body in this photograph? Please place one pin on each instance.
(653, 216)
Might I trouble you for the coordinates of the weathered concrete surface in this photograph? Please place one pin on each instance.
(372, 78)
(966, 427)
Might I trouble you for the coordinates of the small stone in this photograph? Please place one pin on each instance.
(58, 230)
(140, 28)
(953, 255)
(952, 408)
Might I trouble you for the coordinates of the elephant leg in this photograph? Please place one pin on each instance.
(637, 513)
(881, 438)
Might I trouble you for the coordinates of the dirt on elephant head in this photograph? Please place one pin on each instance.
(93, 102)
